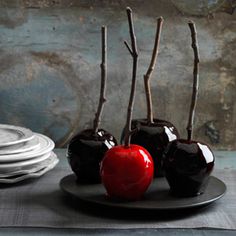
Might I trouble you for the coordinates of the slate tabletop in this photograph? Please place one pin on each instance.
(39, 207)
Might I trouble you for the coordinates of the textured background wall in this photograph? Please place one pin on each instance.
(50, 75)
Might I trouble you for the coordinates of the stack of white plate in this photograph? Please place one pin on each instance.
(24, 154)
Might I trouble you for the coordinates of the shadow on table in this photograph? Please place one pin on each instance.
(127, 214)
(66, 206)
(131, 214)
(18, 184)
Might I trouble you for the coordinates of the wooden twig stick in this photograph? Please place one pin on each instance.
(195, 79)
(151, 67)
(103, 66)
(134, 53)
(128, 47)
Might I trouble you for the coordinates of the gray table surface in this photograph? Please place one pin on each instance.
(14, 223)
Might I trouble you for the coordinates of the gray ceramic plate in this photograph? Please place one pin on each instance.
(156, 198)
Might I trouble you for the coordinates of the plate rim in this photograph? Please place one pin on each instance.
(9, 158)
(53, 156)
(36, 174)
(141, 207)
(25, 162)
(21, 149)
(28, 134)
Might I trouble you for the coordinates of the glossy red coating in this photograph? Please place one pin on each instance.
(127, 172)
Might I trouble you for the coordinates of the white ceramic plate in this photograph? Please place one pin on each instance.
(46, 145)
(31, 168)
(18, 178)
(20, 147)
(10, 134)
(15, 166)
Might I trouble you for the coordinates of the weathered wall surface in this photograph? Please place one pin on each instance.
(50, 75)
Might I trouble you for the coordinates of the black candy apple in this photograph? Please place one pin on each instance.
(187, 163)
(87, 148)
(153, 134)
(154, 137)
(85, 152)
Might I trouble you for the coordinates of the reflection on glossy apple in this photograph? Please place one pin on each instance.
(187, 166)
(154, 138)
(127, 172)
(85, 152)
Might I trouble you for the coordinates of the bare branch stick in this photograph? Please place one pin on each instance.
(128, 47)
(151, 67)
(103, 66)
(195, 79)
(128, 131)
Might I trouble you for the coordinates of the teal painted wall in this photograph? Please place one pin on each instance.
(50, 75)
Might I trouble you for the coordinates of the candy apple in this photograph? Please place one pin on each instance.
(87, 148)
(85, 152)
(153, 134)
(188, 163)
(127, 172)
(154, 137)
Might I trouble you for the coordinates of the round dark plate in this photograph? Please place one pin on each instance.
(156, 198)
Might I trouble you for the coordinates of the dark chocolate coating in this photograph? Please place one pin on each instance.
(85, 152)
(154, 138)
(187, 166)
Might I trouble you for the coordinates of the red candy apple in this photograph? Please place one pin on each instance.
(153, 134)
(127, 172)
